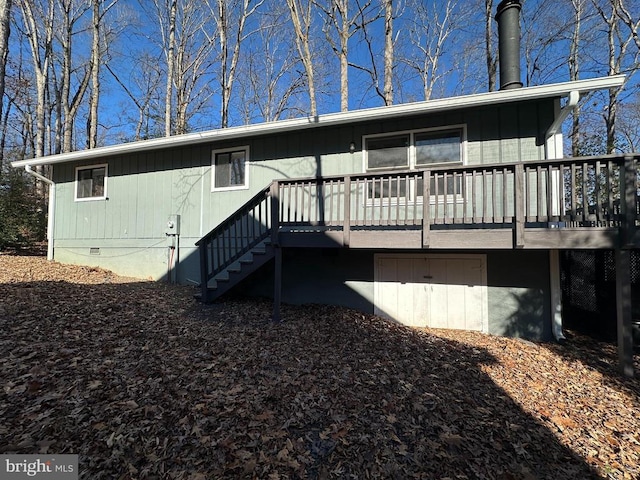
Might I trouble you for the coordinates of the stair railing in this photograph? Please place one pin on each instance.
(234, 237)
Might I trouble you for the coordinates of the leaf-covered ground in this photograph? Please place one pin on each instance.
(145, 383)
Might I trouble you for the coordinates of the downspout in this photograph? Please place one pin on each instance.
(552, 144)
(553, 150)
(51, 210)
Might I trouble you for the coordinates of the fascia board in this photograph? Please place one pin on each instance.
(334, 119)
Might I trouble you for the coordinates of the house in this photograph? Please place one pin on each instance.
(446, 213)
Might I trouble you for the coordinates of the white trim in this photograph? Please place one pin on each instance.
(245, 185)
(370, 114)
(91, 167)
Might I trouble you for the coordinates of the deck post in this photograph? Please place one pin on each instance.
(274, 193)
(426, 202)
(275, 242)
(277, 285)
(518, 206)
(628, 177)
(624, 311)
(204, 261)
(346, 227)
(623, 267)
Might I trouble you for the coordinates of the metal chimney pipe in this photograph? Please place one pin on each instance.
(508, 18)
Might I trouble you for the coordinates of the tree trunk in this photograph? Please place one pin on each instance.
(41, 55)
(574, 73)
(170, 69)
(388, 52)
(94, 101)
(302, 27)
(491, 60)
(5, 30)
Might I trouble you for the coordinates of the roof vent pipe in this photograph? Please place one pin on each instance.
(508, 18)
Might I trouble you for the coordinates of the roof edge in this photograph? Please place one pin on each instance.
(331, 119)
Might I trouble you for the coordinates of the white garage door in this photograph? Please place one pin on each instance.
(439, 291)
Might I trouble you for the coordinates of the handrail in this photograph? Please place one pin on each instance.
(576, 192)
(229, 241)
(246, 207)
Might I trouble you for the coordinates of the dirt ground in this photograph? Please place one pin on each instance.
(143, 382)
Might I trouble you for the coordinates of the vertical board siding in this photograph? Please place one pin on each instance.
(145, 188)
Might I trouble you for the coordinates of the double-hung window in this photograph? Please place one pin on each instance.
(91, 183)
(417, 150)
(230, 169)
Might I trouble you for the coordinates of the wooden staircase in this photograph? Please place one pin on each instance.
(230, 276)
(237, 247)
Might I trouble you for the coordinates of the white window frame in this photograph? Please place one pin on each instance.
(245, 186)
(462, 128)
(91, 167)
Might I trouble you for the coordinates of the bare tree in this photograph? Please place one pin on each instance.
(170, 53)
(574, 70)
(301, 19)
(144, 87)
(631, 18)
(270, 83)
(39, 30)
(618, 59)
(98, 44)
(68, 101)
(381, 83)
(193, 57)
(187, 54)
(388, 52)
(491, 56)
(338, 22)
(430, 29)
(231, 19)
(5, 29)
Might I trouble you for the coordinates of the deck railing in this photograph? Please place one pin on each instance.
(572, 192)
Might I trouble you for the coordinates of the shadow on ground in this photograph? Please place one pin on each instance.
(142, 382)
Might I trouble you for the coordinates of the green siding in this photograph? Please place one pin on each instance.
(145, 188)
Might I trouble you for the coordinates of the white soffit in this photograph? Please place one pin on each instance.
(355, 116)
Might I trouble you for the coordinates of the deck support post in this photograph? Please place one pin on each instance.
(624, 311)
(624, 304)
(275, 242)
(426, 202)
(204, 262)
(277, 284)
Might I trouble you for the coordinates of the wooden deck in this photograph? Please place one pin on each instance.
(578, 203)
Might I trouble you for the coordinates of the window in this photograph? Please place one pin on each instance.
(438, 147)
(91, 182)
(388, 152)
(416, 150)
(230, 169)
